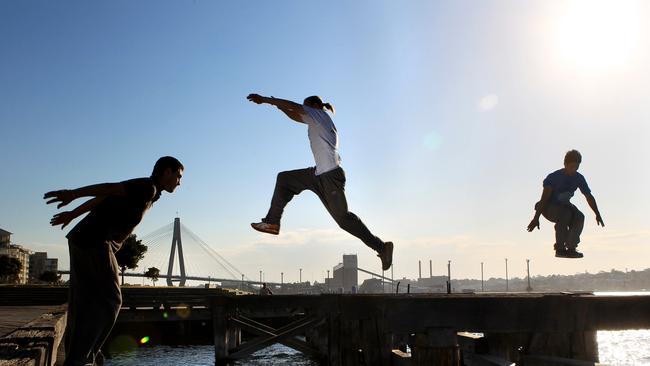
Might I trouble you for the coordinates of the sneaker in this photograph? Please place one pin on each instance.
(572, 253)
(386, 256)
(560, 253)
(266, 228)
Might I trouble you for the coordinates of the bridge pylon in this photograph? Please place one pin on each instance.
(176, 241)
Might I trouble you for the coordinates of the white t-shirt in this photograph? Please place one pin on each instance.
(323, 138)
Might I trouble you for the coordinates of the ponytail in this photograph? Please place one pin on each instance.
(316, 101)
(330, 107)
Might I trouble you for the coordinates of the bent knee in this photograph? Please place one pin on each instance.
(579, 216)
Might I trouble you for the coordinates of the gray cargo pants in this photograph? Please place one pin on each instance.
(330, 188)
(569, 222)
(94, 300)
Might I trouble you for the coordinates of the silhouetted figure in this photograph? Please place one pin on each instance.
(264, 290)
(115, 210)
(556, 207)
(326, 179)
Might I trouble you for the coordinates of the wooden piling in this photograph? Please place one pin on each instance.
(219, 332)
(436, 346)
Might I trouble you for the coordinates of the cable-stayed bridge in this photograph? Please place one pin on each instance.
(190, 257)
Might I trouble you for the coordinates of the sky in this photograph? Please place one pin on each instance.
(449, 113)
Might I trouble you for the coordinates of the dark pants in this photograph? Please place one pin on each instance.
(330, 188)
(94, 301)
(569, 222)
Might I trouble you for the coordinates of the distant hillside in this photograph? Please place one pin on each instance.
(613, 280)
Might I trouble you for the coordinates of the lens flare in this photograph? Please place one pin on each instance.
(144, 340)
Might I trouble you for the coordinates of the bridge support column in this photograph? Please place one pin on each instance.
(333, 331)
(508, 346)
(375, 342)
(234, 337)
(438, 346)
(347, 339)
(220, 333)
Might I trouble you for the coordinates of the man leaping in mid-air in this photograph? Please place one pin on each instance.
(326, 179)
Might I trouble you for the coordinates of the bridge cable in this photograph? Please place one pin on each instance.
(216, 256)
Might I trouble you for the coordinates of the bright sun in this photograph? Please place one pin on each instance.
(597, 35)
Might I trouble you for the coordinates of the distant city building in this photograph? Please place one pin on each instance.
(372, 286)
(15, 251)
(433, 283)
(346, 276)
(39, 263)
(5, 238)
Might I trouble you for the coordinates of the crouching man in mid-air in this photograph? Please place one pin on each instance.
(556, 207)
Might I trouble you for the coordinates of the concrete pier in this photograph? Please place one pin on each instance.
(36, 336)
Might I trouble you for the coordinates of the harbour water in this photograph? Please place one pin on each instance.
(630, 347)
(204, 356)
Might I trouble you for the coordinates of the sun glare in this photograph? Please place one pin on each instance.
(597, 35)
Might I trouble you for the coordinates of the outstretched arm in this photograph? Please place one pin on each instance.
(291, 109)
(592, 203)
(64, 218)
(539, 208)
(66, 196)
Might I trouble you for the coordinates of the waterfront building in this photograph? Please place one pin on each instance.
(39, 263)
(346, 275)
(15, 251)
(5, 238)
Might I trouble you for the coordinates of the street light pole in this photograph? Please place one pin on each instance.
(328, 280)
(529, 288)
(300, 275)
(482, 283)
(260, 277)
(392, 282)
(449, 277)
(506, 274)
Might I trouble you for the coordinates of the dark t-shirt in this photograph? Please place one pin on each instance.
(115, 217)
(564, 186)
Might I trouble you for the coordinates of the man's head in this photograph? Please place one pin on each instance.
(572, 161)
(167, 173)
(316, 102)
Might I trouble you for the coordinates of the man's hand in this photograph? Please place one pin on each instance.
(255, 98)
(62, 218)
(63, 196)
(534, 223)
(599, 220)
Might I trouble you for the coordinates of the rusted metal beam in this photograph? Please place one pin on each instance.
(294, 343)
(262, 342)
